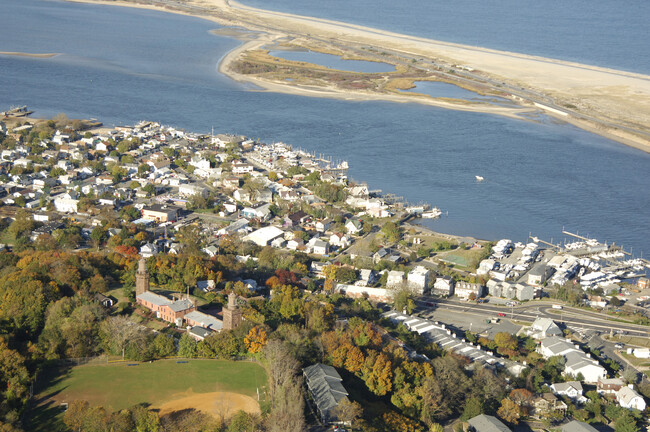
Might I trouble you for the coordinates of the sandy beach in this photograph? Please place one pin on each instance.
(608, 102)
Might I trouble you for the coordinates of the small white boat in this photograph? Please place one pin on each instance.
(432, 214)
(479, 178)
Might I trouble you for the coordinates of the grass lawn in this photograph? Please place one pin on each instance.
(118, 386)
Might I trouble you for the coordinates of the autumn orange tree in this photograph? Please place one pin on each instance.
(509, 411)
(255, 340)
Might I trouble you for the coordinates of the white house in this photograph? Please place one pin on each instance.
(577, 361)
(629, 398)
(65, 204)
(264, 236)
(572, 389)
(418, 279)
(318, 246)
(354, 226)
(340, 240)
(444, 286)
(395, 278)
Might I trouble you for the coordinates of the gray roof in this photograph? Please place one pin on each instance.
(153, 298)
(205, 320)
(565, 386)
(487, 423)
(181, 305)
(578, 426)
(201, 332)
(324, 383)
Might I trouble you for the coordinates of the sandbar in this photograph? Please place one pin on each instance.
(23, 54)
(608, 102)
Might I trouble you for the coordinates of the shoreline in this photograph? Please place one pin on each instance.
(607, 102)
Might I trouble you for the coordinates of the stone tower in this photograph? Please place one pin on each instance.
(141, 277)
(231, 313)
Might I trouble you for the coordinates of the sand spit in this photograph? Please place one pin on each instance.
(608, 102)
(22, 54)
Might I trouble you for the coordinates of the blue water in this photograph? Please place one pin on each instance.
(446, 90)
(124, 65)
(606, 33)
(333, 62)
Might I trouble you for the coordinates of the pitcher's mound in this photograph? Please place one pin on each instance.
(217, 404)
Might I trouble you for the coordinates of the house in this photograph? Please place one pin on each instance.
(418, 279)
(354, 226)
(318, 246)
(206, 285)
(289, 195)
(188, 190)
(107, 302)
(211, 250)
(444, 286)
(340, 240)
(356, 291)
(366, 277)
(524, 292)
(543, 328)
(486, 423)
(547, 403)
(242, 195)
(609, 385)
(571, 389)
(395, 278)
(466, 290)
(241, 168)
(296, 244)
(261, 212)
(264, 236)
(237, 226)
(65, 203)
(160, 213)
(296, 219)
(199, 333)
(326, 388)
(539, 274)
(317, 268)
(577, 362)
(386, 255)
(148, 250)
(643, 283)
(628, 398)
(323, 225)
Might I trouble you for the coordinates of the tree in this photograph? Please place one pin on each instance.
(506, 343)
(255, 340)
(509, 411)
(349, 412)
(98, 235)
(473, 407)
(403, 299)
(163, 346)
(626, 423)
(120, 332)
(391, 231)
(186, 346)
